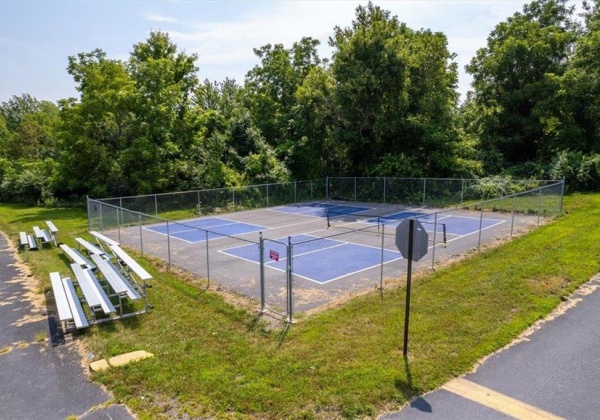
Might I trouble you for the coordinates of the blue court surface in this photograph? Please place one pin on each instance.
(320, 209)
(320, 260)
(455, 225)
(189, 230)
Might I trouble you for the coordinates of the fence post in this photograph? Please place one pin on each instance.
(327, 188)
(424, 189)
(311, 190)
(207, 259)
(168, 244)
(199, 204)
(289, 285)
(512, 222)
(434, 241)
(101, 219)
(562, 196)
(355, 197)
(261, 253)
(462, 191)
(382, 248)
(141, 230)
(119, 223)
(267, 195)
(233, 196)
(539, 207)
(295, 199)
(480, 228)
(384, 187)
(87, 200)
(120, 212)
(155, 205)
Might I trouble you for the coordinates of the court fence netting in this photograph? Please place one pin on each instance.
(299, 263)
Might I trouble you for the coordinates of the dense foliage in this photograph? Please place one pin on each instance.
(385, 103)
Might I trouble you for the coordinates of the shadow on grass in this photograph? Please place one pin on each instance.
(405, 386)
(37, 215)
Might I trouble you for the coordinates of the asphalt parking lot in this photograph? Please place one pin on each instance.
(550, 373)
(41, 373)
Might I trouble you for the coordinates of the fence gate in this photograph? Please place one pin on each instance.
(275, 272)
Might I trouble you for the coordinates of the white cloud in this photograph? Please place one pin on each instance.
(225, 47)
(156, 17)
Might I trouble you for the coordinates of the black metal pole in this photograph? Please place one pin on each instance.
(408, 279)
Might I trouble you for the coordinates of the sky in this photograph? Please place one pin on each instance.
(38, 36)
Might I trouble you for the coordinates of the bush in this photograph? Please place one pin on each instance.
(581, 172)
(27, 182)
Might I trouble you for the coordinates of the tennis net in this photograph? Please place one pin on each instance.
(372, 223)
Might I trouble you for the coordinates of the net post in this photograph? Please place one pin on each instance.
(261, 253)
(444, 230)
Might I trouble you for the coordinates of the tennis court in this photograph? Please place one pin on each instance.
(320, 260)
(317, 209)
(199, 230)
(337, 248)
(454, 225)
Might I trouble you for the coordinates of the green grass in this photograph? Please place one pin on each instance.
(213, 358)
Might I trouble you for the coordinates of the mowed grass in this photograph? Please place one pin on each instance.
(214, 358)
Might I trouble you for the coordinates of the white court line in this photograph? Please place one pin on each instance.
(219, 235)
(305, 212)
(340, 243)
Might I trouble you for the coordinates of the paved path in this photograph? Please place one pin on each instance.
(552, 373)
(40, 379)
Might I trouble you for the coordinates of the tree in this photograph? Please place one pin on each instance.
(314, 154)
(573, 122)
(129, 132)
(395, 91)
(165, 80)
(271, 88)
(96, 129)
(515, 80)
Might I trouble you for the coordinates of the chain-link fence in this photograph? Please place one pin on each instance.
(318, 242)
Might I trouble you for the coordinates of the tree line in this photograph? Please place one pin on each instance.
(384, 104)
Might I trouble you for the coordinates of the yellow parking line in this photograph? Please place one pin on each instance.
(496, 401)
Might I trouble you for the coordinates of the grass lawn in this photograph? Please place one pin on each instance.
(213, 358)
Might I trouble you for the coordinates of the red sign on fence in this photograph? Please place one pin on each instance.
(274, 255)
